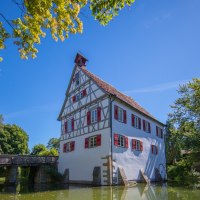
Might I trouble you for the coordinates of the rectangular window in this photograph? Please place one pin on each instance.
(120, 141)
(136, 121)
(94, 116)
(154, 149)
(93, 141)
(120, 114)
(69, 146)
(159, 132)
(146, 126)
(68, 125)
(77, 79)
(79, 96)
(137, 145)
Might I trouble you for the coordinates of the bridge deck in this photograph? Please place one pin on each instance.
(26, 160)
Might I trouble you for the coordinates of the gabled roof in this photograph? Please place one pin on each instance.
(114, 92)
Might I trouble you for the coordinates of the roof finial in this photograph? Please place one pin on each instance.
(80, 60)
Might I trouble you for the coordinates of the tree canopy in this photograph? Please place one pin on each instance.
(50, 150)
(60, 18)
(186, 116)
(13, 140)
(54, 143)
(183, 134)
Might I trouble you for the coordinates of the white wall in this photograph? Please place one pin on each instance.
(81, 161)
(132, 161)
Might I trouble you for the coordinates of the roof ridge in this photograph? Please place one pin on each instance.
(113, 91)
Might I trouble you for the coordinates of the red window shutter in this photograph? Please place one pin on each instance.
(139, 121)
(65, 124)
(73, 99)
(98, 140)
(86, 143)
(126, 142)
(99, 114)
(156, 131)
(144, 127)
(84, 92)
(149, 126)
(133, 120)
(161, 133)
(124, 111)
(116, 112)
(72, 145)
(116, 139)
(88, 118)
(72, 124)
(64, 148)
(141, 146)
(133, 144)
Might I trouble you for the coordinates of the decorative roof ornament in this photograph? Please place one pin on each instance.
(80, 60)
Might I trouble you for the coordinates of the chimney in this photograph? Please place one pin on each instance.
(80, 60)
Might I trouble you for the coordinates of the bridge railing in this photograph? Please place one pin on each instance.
(27, 160)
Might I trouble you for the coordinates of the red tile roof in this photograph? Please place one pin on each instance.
(111, 90)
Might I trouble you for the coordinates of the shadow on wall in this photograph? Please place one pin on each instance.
(153, 165)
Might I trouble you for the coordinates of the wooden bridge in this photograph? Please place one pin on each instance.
(38, 165)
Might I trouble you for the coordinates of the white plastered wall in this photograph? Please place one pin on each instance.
(133, 161)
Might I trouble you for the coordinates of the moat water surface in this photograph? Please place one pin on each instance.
(65, 192)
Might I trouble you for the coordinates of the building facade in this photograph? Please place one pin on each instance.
(106, 135)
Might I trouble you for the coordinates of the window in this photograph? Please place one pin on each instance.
(93, 141)
(69, 146)
(94, 116)
(137, 145)
(136, 121)
(159, 132)
(154, 149)
(79, 96)
(120, 141)
(69, 125)
(146, 126)
(77, 79)
(120, 114)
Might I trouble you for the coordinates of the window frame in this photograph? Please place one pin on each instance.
(92, 141)
(121, 141)
(159, 132)
(120, 114)
(94, 117)
(77, 79)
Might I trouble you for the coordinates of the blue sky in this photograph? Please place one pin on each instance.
(146, 52)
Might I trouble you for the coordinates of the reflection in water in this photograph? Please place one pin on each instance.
(66, 192)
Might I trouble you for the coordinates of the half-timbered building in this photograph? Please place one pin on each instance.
(106, 137)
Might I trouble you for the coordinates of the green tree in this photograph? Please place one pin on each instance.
(60, 18)
(54, 143)
(1, 122)
(37, 149)
(186, 116)
(13, 140)
(41, 150)
(183, 135)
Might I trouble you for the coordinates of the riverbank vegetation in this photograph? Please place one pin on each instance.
(183, 136)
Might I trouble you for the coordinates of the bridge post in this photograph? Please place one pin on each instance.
(11, 174)
(41, 175)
